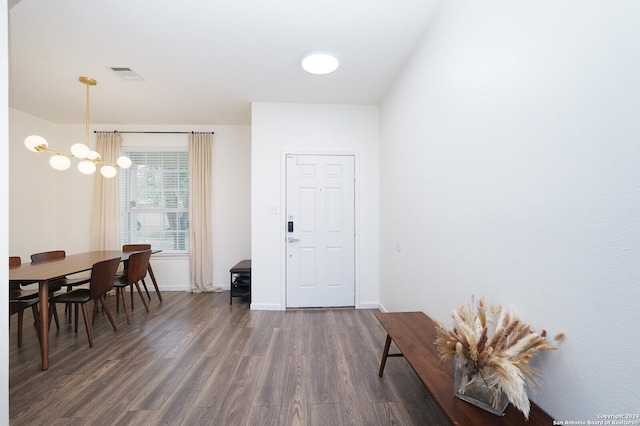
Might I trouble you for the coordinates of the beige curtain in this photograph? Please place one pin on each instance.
(200, 227)
(105, 228)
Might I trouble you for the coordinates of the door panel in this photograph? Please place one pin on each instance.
(321, 247)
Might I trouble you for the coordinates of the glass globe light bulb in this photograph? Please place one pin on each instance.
(60, 162)
(86, 167)
(93, 155)
(108, 171)
(33, 141)
(80, 150)
(124, 162)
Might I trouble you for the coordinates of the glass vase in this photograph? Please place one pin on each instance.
(469, 386)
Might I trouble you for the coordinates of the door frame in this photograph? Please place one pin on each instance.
(283, 220)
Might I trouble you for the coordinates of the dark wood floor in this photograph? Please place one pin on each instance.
(195, 360)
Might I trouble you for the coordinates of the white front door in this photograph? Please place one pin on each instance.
(320, 231)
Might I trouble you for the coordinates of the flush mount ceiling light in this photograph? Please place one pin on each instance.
(320, 63)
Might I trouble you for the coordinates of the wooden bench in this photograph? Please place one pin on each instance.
(414, 334)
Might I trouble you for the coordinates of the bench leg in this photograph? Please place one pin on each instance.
(385, 354)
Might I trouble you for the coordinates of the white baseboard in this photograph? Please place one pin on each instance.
(172, 288)
(266, 307)
(368, 305)
(382, 308)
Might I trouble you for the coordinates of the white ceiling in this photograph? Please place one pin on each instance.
(203, 61)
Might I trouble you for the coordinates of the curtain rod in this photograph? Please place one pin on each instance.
(174, 133)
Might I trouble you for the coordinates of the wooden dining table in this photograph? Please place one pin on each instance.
(46, 271)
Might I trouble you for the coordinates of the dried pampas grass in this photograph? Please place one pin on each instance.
(497, 347)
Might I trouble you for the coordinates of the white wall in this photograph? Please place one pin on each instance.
(32, 188)
(278, 129)
(4, 217)
(49, 209)
(231, 200)
(510, 155)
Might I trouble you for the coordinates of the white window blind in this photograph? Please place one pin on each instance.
(155, 200)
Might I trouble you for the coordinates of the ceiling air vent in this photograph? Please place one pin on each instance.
(127, 74)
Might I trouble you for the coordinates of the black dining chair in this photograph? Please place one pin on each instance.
(136, 271)
(141, 247)
(20, 299)
(18, 307)
(101, 281)
(16, 291)
(61, 282)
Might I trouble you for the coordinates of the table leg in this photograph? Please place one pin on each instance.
(43, 293)
(385, 354)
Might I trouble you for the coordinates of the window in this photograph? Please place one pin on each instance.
(155, 200)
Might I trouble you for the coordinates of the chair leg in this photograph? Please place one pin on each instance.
(53, 312)
(144, 301)
(87, 324)
(131, 293)
(124, 304)
(106, 311)
(83, 309)
(36, 318)
(67, 306)
(155, 283)
(146, 290)
(20, 318)
(55, 316)
(95, 312)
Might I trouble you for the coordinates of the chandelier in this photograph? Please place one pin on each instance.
(89, 160)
